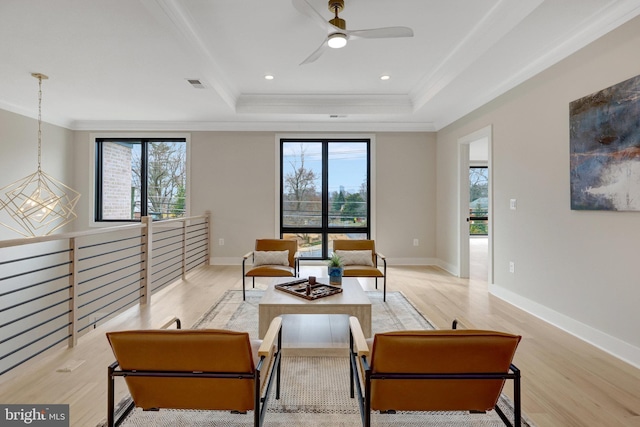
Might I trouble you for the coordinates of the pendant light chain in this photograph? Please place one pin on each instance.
(40, 77)
(39, 122)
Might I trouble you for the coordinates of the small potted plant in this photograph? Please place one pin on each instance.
(335, 270)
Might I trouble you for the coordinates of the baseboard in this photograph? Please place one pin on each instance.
(390, 261)
(226, 261)
(449, 268)
(610, 344)
(411, 261)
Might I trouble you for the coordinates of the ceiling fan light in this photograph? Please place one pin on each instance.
(337, 40)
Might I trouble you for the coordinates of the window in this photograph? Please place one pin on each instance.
(324, 193)
(130, 171)
(478, 200)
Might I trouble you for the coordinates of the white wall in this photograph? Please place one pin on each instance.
(406, 197)
(577, 269)
(234, 176)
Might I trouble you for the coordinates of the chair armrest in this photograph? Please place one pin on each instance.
(384, 263)
(296, 263)
(247, 255)
(270, 337)
(170, 321)
(359, 341)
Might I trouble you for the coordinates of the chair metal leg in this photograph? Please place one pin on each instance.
(517, 402)
(261, 403)
(363, 396)
(517, 409)
(351, 382)
(111, 407)
(384, 280)
(279, 362)
(367, 399)
(257, 410)
(243, 282)
(110, 398)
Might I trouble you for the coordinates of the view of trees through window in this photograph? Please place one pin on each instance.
(130, 171)
(478, 200)
(325, 193)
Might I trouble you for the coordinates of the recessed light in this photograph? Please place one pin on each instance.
(385, 77)
(268, 77)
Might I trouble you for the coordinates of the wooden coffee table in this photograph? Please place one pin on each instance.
(352, 301)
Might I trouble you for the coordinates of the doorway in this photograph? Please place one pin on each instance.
(475, 247)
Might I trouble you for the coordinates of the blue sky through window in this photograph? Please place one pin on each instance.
(347, 162)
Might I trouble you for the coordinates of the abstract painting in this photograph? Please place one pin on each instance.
(605, 149)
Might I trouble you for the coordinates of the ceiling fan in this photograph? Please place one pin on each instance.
(338, 35)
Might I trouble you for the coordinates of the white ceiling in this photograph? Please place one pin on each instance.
(124, 64)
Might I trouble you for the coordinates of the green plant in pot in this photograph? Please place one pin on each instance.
(335, 267)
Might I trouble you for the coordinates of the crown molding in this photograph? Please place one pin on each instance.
(502, 18)
(33, 114)
(177, 19)
(324, 104)
(597, 25)
(251, 126)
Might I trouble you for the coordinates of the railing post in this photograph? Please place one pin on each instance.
(207, 221)
(73, 293)
(147, 238)
(184, 250)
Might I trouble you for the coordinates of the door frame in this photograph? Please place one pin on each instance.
(463, 201)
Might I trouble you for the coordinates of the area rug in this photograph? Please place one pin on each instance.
(315, 390)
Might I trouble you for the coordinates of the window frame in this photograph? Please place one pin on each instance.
(97, 196)
(324, 229)
(473, 218)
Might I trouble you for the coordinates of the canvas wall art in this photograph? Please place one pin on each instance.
(605, 149)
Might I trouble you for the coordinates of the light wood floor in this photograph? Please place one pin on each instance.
(566, 382)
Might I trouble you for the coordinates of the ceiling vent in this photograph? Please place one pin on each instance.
(196, 83)
(337, 116)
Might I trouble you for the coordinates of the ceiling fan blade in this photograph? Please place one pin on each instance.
(316, 54)
(381, 33)
(306, 9)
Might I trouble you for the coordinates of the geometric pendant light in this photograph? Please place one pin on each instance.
(39, 204)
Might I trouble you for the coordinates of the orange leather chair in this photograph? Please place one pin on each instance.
(269, 260)
(202, 369)
(368, 269)
(433, 370)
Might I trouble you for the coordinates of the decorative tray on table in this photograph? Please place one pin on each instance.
(316, 289)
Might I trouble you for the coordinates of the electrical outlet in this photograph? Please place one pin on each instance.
(416, 242)
(512, 267)
(220, 242)
(513, 204)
